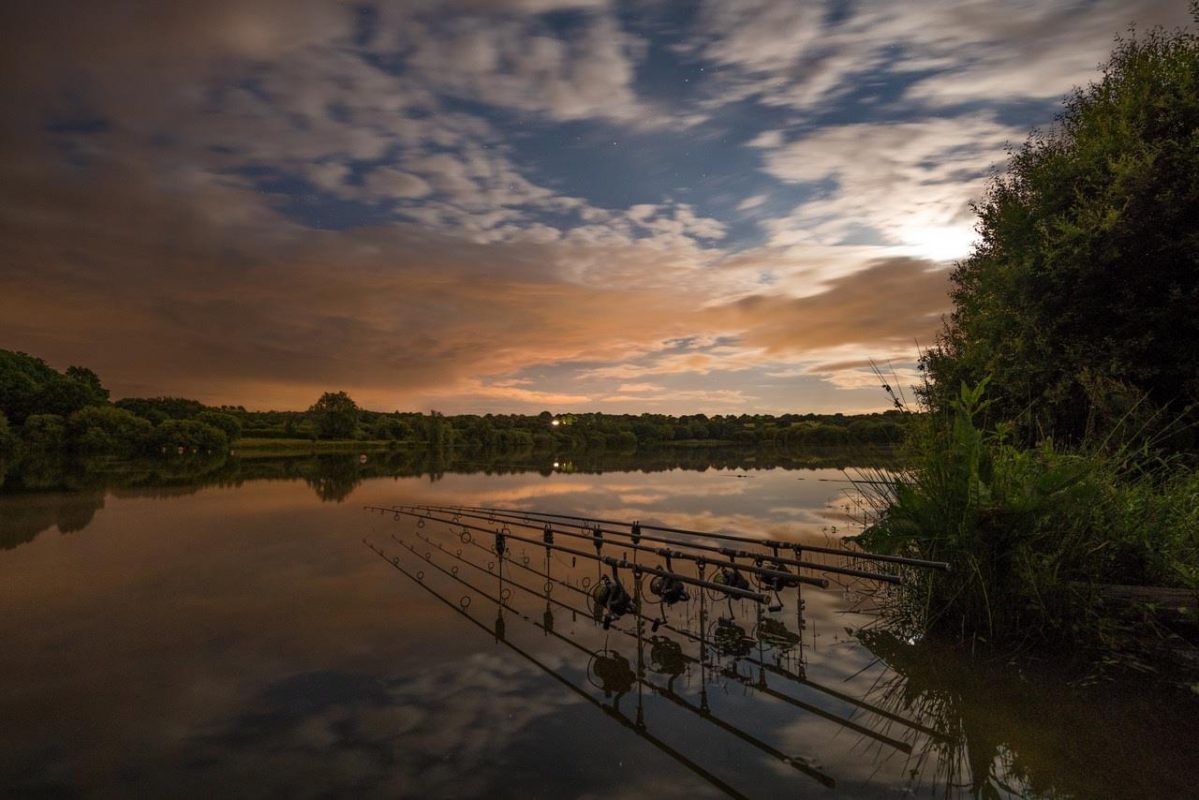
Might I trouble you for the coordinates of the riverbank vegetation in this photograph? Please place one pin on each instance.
(1057, 453)
(46, 414)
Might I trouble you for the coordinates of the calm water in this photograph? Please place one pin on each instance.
(239, 639)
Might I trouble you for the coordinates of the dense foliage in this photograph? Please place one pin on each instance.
(46, 415)
(336, 415)
(28, 386)
(1055, 461)
(1031, 533)
(1079, 299)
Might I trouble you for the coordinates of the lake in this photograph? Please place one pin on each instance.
(224, 630)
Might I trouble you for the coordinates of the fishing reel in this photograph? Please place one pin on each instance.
(668, 589)
(776, 583)
(610, 600)
(610, 672)
(729, 639)
(730, 576)
(775, 635)
(666, 657)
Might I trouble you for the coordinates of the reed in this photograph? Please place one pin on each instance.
(1033, 534)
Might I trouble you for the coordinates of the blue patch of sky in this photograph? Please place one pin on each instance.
(366, 24)
(309, 205)
(564, 23)
(881, 96)
(70, 132)
(613, 166)
(666, 75)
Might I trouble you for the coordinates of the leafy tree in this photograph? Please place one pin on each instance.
(225, 422)
(29, 386)
(1083, 287)
(158, 409)
(108, 429)
(8, 441)
(43, 433)
(191, 434)
(335, 415)
(85, 377)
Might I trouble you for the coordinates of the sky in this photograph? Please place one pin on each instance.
(512, 205)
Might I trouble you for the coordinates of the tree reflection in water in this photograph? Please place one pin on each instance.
(1030, 731)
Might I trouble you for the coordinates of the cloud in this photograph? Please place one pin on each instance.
(802, 55)
(909, 184)
(257, 201)
(393, 314)
(517, 61)
(894, 301)
(388, 183)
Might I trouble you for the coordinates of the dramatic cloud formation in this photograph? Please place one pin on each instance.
(513, 205)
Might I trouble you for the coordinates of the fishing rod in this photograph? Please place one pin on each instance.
(782, 578)
(759, 685)
(844, 552)
(702, 711)
(501, 536)
(656, 623)
(635, 534)
(611, 712)
(774, 578)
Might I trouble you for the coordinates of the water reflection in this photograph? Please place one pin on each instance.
(26, 516)
(66, 493)
(235, 638)
(607, 667)
(1027, 733)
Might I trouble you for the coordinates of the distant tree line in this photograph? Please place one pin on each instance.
(47, 412)
(44, 412)
(336, 416)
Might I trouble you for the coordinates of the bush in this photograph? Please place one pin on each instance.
(190, 434)
(43, 433)
(108, 429)
(225, 422)
(1030, 533)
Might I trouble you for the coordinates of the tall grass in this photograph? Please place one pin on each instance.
(1031, 533)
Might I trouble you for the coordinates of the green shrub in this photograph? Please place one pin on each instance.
(108, 429)
(189, 434)
(43, 433)
(1030, 533)
(225, 422)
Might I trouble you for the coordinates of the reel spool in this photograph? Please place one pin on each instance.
(610, 672)
(775, 583)
(668, 590)
(728, 575)
(776, 636)
(666, 657)
(610, 600)
(729, 639)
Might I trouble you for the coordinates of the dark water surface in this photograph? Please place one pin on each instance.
(239, 639)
